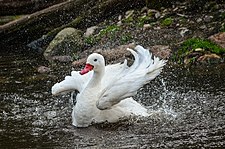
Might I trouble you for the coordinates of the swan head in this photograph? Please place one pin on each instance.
(95, 62)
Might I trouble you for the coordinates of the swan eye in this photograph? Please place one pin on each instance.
(95, 60)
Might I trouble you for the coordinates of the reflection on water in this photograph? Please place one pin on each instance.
(187, 106)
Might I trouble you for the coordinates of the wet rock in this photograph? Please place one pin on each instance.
(90, 31)
(219, 39)
(40, 44)
(66, 42)
(43, 69)
(161, 51)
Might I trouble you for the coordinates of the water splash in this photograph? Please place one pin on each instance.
(164, 106)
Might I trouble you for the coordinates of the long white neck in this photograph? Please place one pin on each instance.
(96, 78)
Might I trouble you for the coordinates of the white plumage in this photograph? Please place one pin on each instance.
(105, 92)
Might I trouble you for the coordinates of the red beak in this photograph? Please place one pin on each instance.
(87, 68)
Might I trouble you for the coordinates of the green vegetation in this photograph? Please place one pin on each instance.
(125, 38)
(108, 32)
(194, 43)
(188, 48)
(90, 40)
(144, 20)
(129, 17)
(137, 19)
(167, 21)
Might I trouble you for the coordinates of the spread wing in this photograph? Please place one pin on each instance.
(125, 82)
(73, 82)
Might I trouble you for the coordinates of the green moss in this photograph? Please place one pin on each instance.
(191, 44)
(108, 32)
(195, 43)
(167, 21)
(90, 40)
(126, 38)
(143, 20)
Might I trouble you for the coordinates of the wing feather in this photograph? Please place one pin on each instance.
(71, 83)
(128, 80)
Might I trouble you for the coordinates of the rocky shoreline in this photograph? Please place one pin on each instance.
(161, 29)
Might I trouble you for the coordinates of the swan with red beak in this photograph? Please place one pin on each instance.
(105, 92)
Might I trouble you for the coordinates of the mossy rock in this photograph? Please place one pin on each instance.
(66, 43)
(193, 49)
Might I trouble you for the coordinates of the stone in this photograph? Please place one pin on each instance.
(146, 26)
(161, 51)
(43, 69)
(90, 31)
(218, 39)
(66, 43)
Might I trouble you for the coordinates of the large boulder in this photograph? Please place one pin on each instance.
(65, 44)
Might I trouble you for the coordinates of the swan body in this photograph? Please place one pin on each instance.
(105, 92)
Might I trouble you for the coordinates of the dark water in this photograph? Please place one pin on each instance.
(187, 106)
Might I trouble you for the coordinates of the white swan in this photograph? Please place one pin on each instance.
(105, 93)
